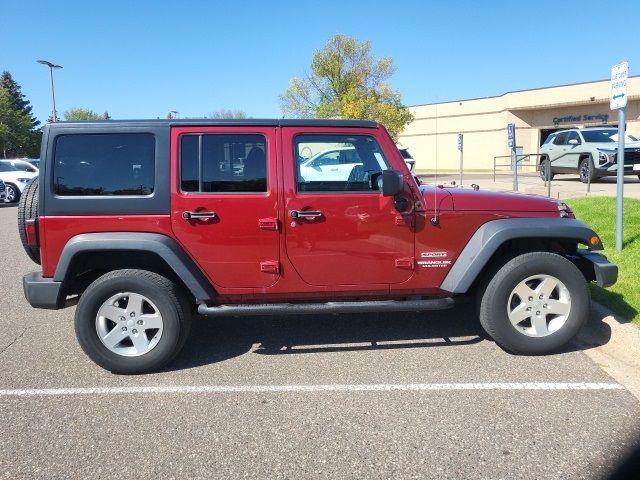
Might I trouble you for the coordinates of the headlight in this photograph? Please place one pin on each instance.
(23, 180)
(607, 156)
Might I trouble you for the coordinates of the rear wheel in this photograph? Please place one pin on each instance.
(132, 321)
(545, 174)
(535, 304)
(586, 170)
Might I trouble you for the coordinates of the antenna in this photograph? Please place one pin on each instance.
(434, 220)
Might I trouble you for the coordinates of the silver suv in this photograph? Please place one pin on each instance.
(589, 152)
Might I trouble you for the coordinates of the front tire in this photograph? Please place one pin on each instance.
(586, 170)
(132, 321)
(535, 304)
(13, 193)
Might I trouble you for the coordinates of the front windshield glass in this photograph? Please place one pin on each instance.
(605, 135)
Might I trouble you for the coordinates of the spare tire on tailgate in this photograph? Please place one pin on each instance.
(28, 209)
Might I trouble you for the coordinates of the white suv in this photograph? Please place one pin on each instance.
(589, 152)
(15, 180)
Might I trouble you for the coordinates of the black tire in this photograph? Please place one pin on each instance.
(27, 210)
(163, 293)
(495, 303)
(586, 170)
(544, 165)
(13, 193)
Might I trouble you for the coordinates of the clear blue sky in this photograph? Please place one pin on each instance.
(141, 59)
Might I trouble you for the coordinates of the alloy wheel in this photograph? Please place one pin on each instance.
(539, 305)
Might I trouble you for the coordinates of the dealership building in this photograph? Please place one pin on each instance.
(433, 134)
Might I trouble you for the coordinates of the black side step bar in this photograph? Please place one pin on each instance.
(327, 307)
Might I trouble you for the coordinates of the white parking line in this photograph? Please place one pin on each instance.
(419, 387)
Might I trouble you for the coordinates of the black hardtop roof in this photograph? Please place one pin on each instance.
(183, 122)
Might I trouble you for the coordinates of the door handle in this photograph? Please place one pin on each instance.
(305, 213)
(199, 215)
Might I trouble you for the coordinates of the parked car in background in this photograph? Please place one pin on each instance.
(590, 152)
(335, 164)
(15, 180)
(21, 164)
(408, 159)
(3, 192)
(33, 161)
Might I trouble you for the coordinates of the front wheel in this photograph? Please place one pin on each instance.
(587, 171)
(13, 193)
(535, 304)
(545, 172)
(132, 321)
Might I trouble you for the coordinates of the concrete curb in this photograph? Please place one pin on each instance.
(613, 343)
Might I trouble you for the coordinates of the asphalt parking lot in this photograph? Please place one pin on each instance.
(346, 396)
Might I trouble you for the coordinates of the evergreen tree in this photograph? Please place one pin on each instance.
(17, 98)
(16, 136)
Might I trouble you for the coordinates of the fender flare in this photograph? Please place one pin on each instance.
(488, 238)
(165, 247)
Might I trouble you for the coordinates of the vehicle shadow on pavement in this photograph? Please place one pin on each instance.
(216, 339)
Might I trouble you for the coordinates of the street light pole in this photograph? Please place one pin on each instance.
(51, 66)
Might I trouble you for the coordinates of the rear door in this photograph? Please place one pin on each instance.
(342, 231)
(224, 202)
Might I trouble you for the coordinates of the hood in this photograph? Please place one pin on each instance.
(467, 199)
(13, 176)
(614, 145)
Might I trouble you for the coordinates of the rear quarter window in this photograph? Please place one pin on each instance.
(109, 164)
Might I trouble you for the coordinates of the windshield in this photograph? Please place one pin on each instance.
(7, 167)
(609, 135)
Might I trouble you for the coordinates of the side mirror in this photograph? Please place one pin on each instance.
(392, 183)
(574, 141)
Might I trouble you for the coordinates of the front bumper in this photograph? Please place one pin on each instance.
(42, 292)
(611, 169)
(596, 267)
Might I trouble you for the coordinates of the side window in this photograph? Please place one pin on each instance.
(573, 136)
(561, 139)
(337, 163)
(211, 163)
(104, 164)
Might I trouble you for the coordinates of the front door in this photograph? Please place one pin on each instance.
(224, 202)
(339, 229)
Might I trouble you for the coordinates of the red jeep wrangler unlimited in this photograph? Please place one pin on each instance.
(147, 222)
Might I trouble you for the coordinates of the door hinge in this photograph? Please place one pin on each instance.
(407, 263)
(270, 266)
(268, 224)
